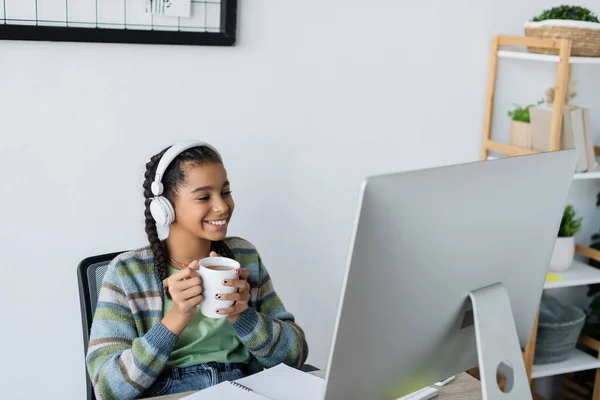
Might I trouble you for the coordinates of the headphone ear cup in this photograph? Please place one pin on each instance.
(162, 211)
(170, 212)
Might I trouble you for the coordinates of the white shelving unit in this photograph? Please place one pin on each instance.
(580, 274)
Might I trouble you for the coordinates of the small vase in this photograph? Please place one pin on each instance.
(563, 254)
(520, 134)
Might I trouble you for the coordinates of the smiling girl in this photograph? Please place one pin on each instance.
(148, 337)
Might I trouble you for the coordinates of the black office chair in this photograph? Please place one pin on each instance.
(90, 274)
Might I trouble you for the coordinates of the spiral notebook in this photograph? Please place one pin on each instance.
(277, 383)
(226, 390)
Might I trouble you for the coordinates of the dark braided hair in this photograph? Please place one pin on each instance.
(172, 179)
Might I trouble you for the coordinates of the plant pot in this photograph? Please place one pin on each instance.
(563, 254)
(559, 327)
(520, 134)
(584, 35)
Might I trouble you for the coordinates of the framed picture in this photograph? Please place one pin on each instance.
(176, 22)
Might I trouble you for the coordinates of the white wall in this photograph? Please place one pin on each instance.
(315, 96)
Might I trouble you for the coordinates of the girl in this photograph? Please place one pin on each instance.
(147, 337)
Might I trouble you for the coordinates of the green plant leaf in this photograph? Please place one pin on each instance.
(569, 225)
(575, 13)
(522, 113)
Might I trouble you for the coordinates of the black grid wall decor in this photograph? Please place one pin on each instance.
(210, 22)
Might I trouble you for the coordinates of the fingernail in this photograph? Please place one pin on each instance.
(218, 296)
(225, 282)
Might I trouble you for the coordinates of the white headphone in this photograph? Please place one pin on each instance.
(161, 208)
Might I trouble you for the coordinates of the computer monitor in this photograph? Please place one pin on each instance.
(445, 272)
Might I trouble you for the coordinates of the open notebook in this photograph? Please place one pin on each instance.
(278, 383)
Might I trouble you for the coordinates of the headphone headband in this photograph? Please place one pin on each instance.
(169, 156)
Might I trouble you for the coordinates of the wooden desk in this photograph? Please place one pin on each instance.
(464, 387)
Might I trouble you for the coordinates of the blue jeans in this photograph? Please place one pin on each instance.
(195, 378)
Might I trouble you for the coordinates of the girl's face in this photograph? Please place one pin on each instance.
(204, 205)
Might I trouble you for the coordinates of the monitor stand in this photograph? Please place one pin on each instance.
(498, 345)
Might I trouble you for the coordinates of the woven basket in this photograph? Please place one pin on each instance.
(585, 36)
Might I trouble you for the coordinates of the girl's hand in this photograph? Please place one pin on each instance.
(240, 298)
(185, 288)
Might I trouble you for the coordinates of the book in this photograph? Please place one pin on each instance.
(277, 383)
(589, 141)
(573, 134)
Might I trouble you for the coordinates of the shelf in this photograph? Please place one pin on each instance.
(523, 55)
(587, 175)
(577, 176)
(577, 361)
(579, 274)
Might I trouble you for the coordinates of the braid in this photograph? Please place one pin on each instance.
(158, 249)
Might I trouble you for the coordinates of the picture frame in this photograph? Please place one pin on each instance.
(65, 30)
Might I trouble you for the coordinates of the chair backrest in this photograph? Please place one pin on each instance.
(90, 273)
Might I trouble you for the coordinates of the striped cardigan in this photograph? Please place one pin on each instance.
(129, 346)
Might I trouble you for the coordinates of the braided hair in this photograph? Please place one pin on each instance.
(172, 179)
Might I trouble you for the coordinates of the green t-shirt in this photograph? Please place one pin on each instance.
(204, 340)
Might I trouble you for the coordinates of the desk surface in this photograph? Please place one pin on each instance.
(464, 387)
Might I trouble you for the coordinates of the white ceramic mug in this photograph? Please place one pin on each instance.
(213, 270)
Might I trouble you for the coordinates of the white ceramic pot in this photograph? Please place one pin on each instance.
(563, 254)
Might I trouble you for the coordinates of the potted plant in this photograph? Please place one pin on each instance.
(564, 248)
(520, 126)
(576, 23)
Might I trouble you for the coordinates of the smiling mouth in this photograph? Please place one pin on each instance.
(219, 222)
